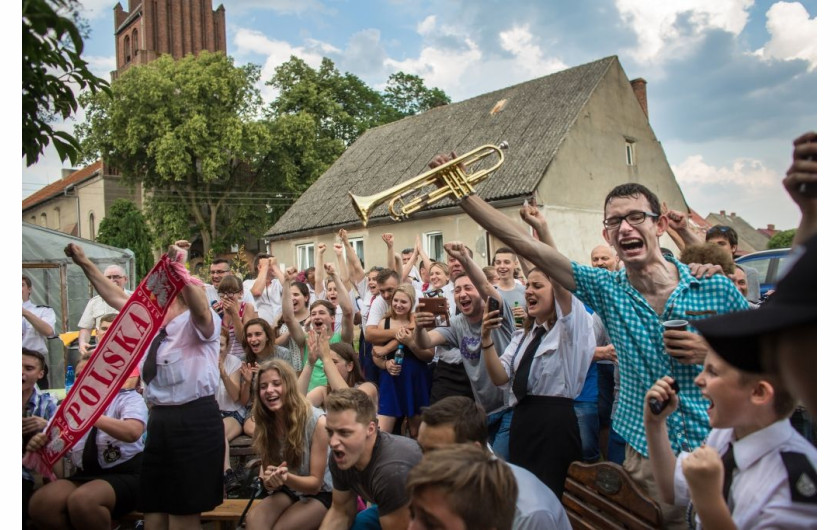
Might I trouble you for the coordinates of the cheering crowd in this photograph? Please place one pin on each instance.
(469, 390)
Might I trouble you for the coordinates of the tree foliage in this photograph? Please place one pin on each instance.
(189, 132)
(212, 160)
(51, 47)
(125, 227)
(782, 239)
(408, 94)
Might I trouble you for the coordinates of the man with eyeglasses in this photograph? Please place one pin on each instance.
(219, 268)
(633, 303)
(96, 308)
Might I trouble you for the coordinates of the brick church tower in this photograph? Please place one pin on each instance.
(151, 28)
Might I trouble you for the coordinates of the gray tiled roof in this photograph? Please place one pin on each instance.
(534, 121)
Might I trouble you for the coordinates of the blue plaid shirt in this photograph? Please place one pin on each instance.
(43, 405)
(636, 332)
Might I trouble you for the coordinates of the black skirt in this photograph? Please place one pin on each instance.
(184, 457)
(545, 439)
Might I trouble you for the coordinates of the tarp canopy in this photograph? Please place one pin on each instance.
(60, 284)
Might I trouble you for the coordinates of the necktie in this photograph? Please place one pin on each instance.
(90, 461)
(150, 366)
(728, 467)
(520, 379)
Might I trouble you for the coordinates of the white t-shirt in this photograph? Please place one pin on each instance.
(223, 397)
(110, 452)
(269, 304)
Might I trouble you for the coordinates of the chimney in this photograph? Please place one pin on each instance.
(771, 228)
(732, 214)
(723, 213)
(67, 172)
(640, 89)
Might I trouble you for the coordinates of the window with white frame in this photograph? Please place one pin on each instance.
(630, 152)
(358, 246)
(434, 246)
(306, 256)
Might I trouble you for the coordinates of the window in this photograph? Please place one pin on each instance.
(57, 218)
(306, 256)
(92, 226)
(127, 49)
(434, 246)
(358, 245)
(134, 42)
(630, 152)
(44, 220)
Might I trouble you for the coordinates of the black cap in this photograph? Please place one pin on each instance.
(735, 336)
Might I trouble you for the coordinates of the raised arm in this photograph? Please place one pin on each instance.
(394, 258)
(195, 297)
(549, 260)
(427, 262)
(458, 250)
(320, 286)
(295, 331)
(357, 272)
(261, 281)
(532, 215)
(678, 225)
(113, 295)
(801, 183)
(344, 303)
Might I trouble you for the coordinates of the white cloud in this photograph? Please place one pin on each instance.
(793, 34)
(427, 25)
(659, 25)
(277, 52)
(744, 173)
(520, 42)
(282, 7)
(747, 187)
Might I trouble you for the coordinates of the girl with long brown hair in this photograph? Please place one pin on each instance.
(290, 437)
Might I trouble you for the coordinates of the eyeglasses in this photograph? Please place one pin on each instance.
(228, 294)
(115, 277)
(219, 272)
(633, 218)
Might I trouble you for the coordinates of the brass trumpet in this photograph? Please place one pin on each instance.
(448, 179)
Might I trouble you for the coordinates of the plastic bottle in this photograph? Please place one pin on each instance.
(399, 355)
(518, 320)
(69, 378)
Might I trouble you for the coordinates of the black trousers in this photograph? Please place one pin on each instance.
(545, 439)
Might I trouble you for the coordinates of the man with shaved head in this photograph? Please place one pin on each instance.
(96, 307)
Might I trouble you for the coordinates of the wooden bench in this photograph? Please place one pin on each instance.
(226, 515)
(603, 496)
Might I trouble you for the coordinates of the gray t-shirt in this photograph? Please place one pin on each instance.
(467, 337)
(383, 480)
(517, 294)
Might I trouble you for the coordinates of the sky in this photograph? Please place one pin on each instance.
(730, 82)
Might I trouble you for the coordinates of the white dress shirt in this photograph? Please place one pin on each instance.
(32, 340)
(562, 358)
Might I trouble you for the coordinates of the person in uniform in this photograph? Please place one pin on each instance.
(108, 459)
(38, 325)
(754, 471)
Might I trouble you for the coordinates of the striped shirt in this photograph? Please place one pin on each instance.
(636, 331)
(43, 405)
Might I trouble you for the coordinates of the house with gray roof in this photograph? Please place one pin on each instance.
(573, 136)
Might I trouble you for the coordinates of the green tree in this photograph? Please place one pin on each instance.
(782, 239)
(125, 227)
(342, 105)
(51, 47)
(189, 132)
(407, 93)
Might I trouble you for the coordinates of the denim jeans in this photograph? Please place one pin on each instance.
(367, 519)
(615, 452)
(498, 430)
(587, 416)
(606, 391)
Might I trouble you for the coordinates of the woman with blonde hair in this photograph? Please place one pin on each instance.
(290, 437)
(404, 386)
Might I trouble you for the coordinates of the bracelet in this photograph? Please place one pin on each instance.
(483, 347)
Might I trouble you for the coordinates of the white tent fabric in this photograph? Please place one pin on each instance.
(60, 284)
